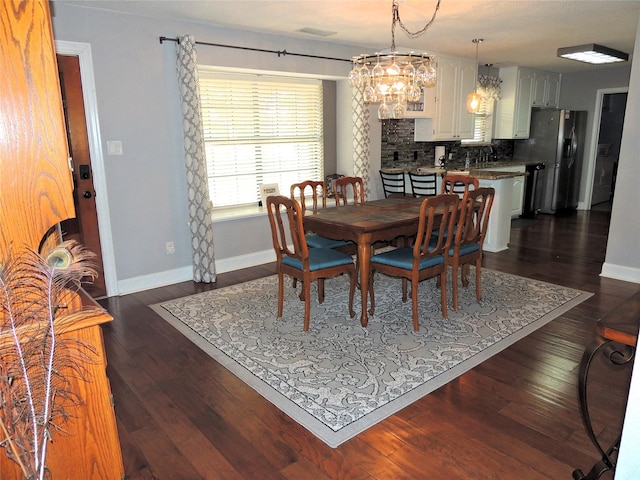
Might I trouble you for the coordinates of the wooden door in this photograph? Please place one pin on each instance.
(84, 227)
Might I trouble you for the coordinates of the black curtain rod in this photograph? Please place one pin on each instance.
(278, 52)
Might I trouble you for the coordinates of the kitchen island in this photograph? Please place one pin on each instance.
(501, 176)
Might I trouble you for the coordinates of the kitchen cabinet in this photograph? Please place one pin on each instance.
(35, 195)
(517, 195)
(418, 109)
(446, 104)
(513, 110)
(546, 89)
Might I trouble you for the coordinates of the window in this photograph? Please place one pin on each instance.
(259, 130)
(483, 123)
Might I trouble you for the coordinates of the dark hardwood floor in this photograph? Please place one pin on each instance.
(181, 415)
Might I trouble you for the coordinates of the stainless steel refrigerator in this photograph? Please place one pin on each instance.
(557, 139)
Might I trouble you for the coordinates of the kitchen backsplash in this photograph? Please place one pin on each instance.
(400, 149)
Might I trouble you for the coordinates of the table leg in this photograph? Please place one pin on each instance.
(364, 255)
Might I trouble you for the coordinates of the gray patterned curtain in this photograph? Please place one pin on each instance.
(204, 269)
(361, 162)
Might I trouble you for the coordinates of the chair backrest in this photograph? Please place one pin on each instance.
(310, 192)
(392, 183)
(474, 217)
(460, 184)
(288, 238)
(349, 191)
(423, 184)
(435, 228)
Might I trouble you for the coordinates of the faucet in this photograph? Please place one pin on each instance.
(484, 155)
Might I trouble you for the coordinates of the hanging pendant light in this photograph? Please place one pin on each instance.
(474, 98)
(393, 79)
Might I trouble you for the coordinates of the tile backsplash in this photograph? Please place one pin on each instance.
(399, 148)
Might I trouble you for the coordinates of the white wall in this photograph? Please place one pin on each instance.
(623, 255)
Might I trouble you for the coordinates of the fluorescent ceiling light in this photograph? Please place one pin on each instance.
(316, 31)
(593, 53)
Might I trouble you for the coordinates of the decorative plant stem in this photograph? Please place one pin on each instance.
(35, 307)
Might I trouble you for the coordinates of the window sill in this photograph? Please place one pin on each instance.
(237, 213)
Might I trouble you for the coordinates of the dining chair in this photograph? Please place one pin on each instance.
(392, 183)
(426, 258)
(471, 230)
(460, 184)
(349, 191)
(423, 184)
(314, 194)
(295, 259)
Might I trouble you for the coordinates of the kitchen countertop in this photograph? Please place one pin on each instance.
(484, 171)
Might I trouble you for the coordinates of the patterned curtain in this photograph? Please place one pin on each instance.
(204, 269)
(361, 163)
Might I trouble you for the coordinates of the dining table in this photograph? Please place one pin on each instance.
(365, 224)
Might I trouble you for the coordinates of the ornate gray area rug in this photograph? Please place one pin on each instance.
(339, 379)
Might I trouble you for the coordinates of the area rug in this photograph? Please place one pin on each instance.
(339, 378)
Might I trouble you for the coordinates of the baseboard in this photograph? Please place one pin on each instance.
(620, 272)
(184, 274)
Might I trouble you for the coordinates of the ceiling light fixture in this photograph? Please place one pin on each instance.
(473, 99)
(393, 79)
(593, 53)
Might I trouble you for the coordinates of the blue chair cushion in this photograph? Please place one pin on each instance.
(466, 249)
(320, 258)
(316, 241)
(403, 258)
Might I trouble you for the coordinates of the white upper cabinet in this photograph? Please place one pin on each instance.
(446, 104)
(546, 89)
(513, 110)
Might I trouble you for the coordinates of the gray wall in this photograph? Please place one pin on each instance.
(138, 104)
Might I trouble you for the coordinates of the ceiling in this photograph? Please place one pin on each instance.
(515, 32)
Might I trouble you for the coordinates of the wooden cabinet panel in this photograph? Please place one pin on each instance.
(36, 193)
(36, 181)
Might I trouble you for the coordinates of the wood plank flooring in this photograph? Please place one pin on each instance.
(183, 416)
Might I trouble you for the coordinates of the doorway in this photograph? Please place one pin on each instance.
(84, 227)
(612, 112)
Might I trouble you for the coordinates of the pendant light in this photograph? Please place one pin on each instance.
(395, 78)
(473, 99)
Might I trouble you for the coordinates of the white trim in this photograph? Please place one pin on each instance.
(83, 52)
(619, 272)
(185, 274)
(593, 148)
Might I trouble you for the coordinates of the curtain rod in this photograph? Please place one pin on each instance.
(278, 52)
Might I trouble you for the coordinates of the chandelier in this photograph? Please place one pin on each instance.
(394, 79)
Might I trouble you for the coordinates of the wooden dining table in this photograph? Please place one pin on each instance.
(365, 224)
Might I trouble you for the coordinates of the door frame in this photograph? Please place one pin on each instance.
(593, 148)
(83, 52)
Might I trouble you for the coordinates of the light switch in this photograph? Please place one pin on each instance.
(114, 147)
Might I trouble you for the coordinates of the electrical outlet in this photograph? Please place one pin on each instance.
(170, 248)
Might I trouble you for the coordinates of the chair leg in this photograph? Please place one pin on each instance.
(280, 293)
(414, 303)
(465, 275)
(307, 304)
(320, 290)
(454, 285)
(404, 290)
(478, 279)
(443, 293)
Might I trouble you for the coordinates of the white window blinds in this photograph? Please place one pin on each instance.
(259, 130)
(483, 123)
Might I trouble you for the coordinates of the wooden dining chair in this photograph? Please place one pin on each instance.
(469, 238)
(392, 183)
(423, 184)
(426, 258)
(460, 184)
(348, 191)
(295, 259)
(313, 195)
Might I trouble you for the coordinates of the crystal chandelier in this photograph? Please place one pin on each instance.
(394, 79)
